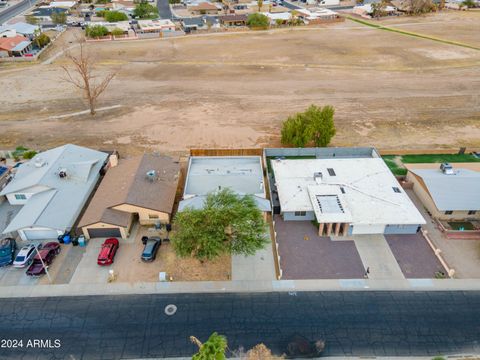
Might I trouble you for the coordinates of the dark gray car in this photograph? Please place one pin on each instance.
(152, 244)
(7, 251)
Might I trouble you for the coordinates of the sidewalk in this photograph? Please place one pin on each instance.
(239, 287)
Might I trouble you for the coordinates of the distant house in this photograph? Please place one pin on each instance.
(155, 26)
(19, 28)
(44, 13)
(241, 174)
(53, 188)
(203, 8)
(233, 20)
(318, 15)
(141, 188)
(449, 192)
(193, 24)
(17, 45)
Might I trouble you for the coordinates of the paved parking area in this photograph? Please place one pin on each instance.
(305, 255)
(414, 256)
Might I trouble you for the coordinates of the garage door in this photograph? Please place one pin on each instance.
(368, 229)
(104, 232)
(40, 234)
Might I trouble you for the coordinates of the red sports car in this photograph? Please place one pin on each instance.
(108, 251)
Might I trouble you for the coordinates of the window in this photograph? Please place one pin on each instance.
(396, 189)
(472, 212)
(20, 197)
(300, 213)
(152, 216)
(448, 212)
(331, 172)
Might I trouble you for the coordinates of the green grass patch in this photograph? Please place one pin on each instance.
(409, 33)
(393, 166)
(438, 158)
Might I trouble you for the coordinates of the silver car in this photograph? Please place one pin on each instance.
(25, 256)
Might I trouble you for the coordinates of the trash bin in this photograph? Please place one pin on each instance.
(82, 241)
(67, 239)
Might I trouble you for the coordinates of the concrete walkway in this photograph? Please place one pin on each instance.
(290, 286)
(377, 256)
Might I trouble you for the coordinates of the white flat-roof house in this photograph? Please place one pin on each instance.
(344, 195)
(53, 188)
(242, 174)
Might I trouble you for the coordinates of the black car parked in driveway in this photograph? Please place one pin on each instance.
(7, 251)
(152, 244)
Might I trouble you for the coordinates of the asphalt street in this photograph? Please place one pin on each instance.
(9, 12)
(164, 11)
(136, 326)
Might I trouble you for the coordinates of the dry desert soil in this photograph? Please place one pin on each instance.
(234, 90)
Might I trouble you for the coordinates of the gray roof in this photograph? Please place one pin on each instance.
(56, 202)
(458, 192)
(242, 174)
(198, 21)
(21, 28)
(198, 202)
(21, 46)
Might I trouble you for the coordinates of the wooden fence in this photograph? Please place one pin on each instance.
(227, 152)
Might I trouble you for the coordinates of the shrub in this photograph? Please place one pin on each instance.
(115, 16)
(258, 21)
(42, 40)
(117, 32)
(27, 155)
(145, 11)
(59, 18)
(96, 31)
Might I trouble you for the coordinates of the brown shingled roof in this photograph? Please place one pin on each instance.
(127, 183)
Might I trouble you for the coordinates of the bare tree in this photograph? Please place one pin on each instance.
(83, 78)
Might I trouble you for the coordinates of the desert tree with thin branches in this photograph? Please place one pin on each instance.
(80, 74)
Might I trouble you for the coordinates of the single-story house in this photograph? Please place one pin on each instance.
(142, 188)
(44, 13)
(282, 17)
(448, 191)
(17, 45)
(207, 174)
(233, 20)
(350, 195)
(367, 10)
(317, 15)
(193, 24)
(53, 188)
(155, 26)
(203, 8)
(19, 28)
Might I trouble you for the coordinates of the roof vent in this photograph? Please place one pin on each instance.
(318, 176)
(151, 175)
(447, 169)
(62, 174)
(40, 162)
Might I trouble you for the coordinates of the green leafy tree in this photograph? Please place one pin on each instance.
(41, 40)
(314, 125)
(31, 19)
(212, 349)
(258, 21)
(29, 154)
(379, 9)
(259, 4)
(227, 224)
(144, 10)
(469, 3)
(59, 18)
(96, 31)
(115, 16)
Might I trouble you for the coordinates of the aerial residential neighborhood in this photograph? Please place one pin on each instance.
(239, 179)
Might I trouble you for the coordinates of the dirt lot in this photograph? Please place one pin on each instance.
(234, 90)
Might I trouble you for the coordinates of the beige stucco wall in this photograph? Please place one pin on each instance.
(123, 231)
(427, 201)
(143, 214)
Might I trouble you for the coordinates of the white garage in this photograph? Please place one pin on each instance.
(39, 234)
(362, 229)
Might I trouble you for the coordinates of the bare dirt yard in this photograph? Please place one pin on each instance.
(234, 90)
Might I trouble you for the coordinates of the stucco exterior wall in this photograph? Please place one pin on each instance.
(144, 215)
(290, 216)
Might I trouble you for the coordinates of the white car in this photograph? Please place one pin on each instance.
(25, 256)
